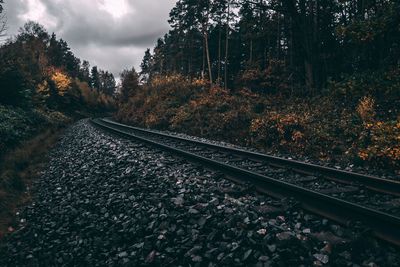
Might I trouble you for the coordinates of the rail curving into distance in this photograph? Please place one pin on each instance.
(343, 196)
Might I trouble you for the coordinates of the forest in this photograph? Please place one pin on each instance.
(42, 83)
(315, 78)
(266, 133)
(308, 78)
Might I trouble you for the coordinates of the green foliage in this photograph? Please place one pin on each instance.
(37, 70)
(16, 125)
(40, 86)
(14, 86)
(277, 46)
(129, 84)
(383, 85)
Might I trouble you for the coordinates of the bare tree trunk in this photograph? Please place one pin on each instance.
(227, 46)
(251, 52)
(278, 41)
(219, 52)
(309, 74)
(204, 60)
(208, 57)
(3, 27)
(205, 33)
(190, 58)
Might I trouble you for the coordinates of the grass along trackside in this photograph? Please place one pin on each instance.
(18, 169)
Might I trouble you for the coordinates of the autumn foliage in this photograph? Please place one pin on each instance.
(43, 85)
(324, 127)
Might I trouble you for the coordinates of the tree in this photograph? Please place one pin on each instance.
(107, 83)
(129, 84)
(95, 78)
(37, 70)
(56, 51)
(62, 57)
(311, 41)
(2, 20)
(158, 63)
(85, 72)
(15, 89)
(146, 66)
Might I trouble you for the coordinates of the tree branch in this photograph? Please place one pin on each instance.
(262, 6)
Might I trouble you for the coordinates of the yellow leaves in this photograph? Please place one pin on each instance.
(43, 89)
(363, 155)
(151, 120)
(200, 82)
(366, 110)
(168, 80)
(297, 136)
(256, 125)
(383, 139)
(92, 97)
(180, 117)
(62, 82)
(287, 129)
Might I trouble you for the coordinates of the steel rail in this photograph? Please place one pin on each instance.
(380, 224)
(371, 182)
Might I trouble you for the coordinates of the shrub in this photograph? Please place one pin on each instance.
(16, 125)
(156, 103)
(322, 127)
(15, 89)
(288, 129)
(274, 79)
(379, 144)
(383, 85)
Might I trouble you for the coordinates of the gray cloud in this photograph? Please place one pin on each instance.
(112, 34)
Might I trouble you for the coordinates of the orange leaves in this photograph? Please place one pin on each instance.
(43, 91)
(360, 32)
(379, 141)
(93, 98)
(366, 110)
(382, 141)
(274, 79)
(324, 127)
(62, 82)
(363, 155)
(287, 129)
(256, 125)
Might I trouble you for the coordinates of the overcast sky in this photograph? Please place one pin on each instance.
(112, 34)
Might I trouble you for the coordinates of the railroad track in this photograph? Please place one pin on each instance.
(343, 196)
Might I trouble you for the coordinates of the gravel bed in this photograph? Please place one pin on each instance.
(354, 193)
(106, 201)
(382, 173)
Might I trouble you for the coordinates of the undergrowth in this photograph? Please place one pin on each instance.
(18, 168)
(356, 122)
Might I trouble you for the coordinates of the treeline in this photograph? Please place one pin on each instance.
(37, 70)
(294, 46)
(312, 78)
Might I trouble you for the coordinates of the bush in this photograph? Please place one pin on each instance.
(14, 88)
(379, 144)
(289, 129)
(274, 79)
(16, 125)
(155, 104)
(321, 127)
(383, 85)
